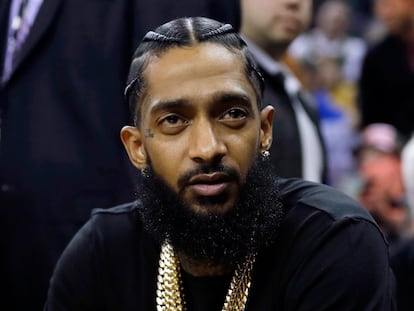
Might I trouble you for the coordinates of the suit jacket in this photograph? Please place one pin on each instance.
(386, 87)
(62, 110)
(286, 152)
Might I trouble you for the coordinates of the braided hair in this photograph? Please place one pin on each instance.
(180, 32)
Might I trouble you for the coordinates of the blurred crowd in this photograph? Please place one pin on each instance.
(357, 59)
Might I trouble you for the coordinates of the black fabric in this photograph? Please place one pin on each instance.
(62, 110)
(402, 263)
(329, 255)
(205, 293)
(386, 92)
(286, 152)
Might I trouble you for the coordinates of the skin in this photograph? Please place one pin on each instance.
(333, 19)
(398, 16)
(382, 173)
(199, 108)
(274, 24)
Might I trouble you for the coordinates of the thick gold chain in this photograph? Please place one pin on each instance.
(170, 295)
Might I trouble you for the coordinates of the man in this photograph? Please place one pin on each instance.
(382, 191)
(269, 27)
(330, 38)
(61, 108)
(387, 74)
(212, 229)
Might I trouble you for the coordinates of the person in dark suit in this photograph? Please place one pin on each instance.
(269, 28)
(386, 93)
(61, 111)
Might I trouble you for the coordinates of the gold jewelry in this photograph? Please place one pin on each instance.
(170, 294)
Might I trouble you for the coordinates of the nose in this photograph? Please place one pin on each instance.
(206, 145)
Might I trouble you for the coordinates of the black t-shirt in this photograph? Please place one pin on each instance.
(329, 255)
(205, 293)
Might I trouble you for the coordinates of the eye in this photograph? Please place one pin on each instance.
(172, 124)
(235, 114)
(235, 117)
(172, 120)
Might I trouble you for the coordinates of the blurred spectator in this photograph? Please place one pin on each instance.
(383, 195)
(330, 38)
(364, 17)
(269, 27)
(379, 167)
(343, 93)
(64, 64)
(386, 92)
(402, 263)
(336, 103)
(407, 157)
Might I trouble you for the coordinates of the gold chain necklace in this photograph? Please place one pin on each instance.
(170, 294)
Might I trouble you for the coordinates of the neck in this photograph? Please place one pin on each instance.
(203, 268)
(276, 50)
(275, 53)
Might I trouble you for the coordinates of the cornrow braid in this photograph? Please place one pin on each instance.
(226, 28)
(155, 36)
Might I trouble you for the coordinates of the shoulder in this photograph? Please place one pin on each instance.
(297, 193)
(122, 210)
(106, 225)
(389, 44)
(322, 211)
(327, 238)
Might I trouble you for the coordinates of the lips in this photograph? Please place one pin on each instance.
(209, 184)
(291, 23)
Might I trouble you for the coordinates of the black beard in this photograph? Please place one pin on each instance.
(251, 224)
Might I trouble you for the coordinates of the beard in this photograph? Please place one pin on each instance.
(252, 223)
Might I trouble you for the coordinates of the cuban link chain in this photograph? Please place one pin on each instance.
(170, 294)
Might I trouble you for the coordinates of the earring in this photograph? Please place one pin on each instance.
(265, 154)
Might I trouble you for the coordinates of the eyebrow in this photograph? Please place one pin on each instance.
(225, 98)
(220, 98)
(169, 105)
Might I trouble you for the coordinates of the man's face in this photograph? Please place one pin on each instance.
(397, 15)
(200, 127)
(333, 19)
(267, 22)
(383, 193)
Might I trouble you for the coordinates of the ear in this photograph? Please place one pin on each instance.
(266, 117)
(132, 139)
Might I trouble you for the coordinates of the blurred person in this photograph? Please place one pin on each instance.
(402, 263)
(379, 167)
(329, 76)
(336, 102)
(364, 16)
(63, 65)
(407, 158)
(269, 27)
(212, 227)
(384, 196)
(330, 38)
(387, 76)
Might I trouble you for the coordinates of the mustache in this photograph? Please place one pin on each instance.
(232, 173)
